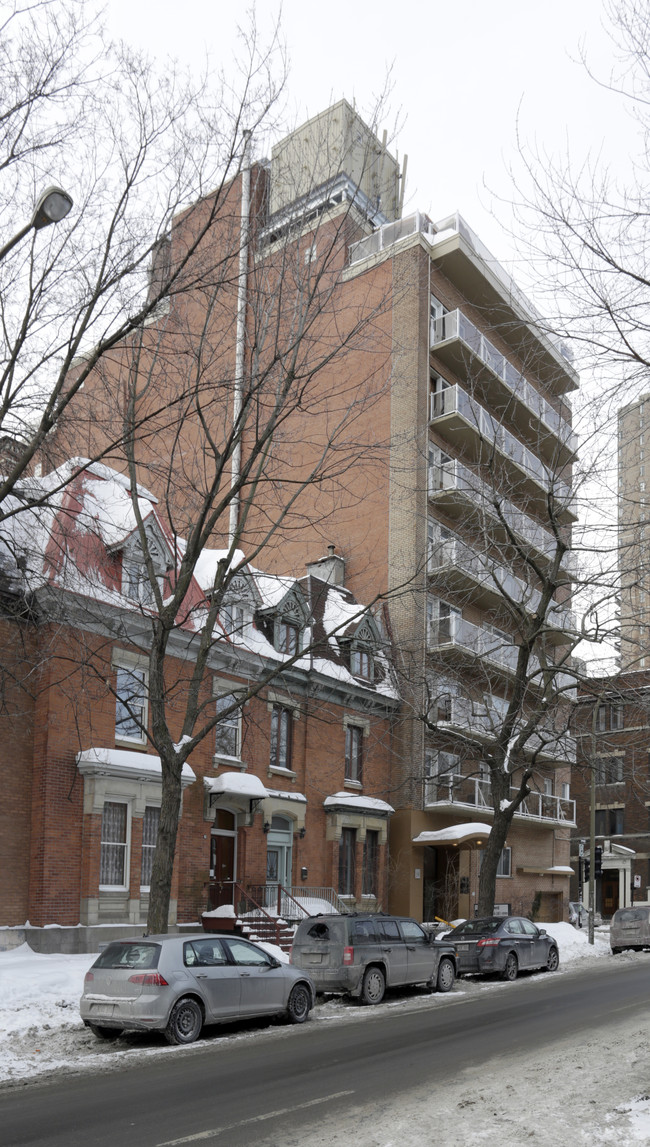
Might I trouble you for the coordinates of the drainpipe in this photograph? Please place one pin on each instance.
(240, 335)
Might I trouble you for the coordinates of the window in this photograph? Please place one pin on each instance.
(281, 719)
(136, 583)
(601, 718)
(566, 791)
(347, 861)
(370, 863)
(113, 863)
(287, 639)
(617, 720)
(150, 823)
(232, 618)
(609, 821)
(504, 867)
(361, 664)
(609, 770)
(131, 703)
(441, 763)
(228, 728)
(354, 753)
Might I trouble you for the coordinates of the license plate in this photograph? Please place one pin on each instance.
(463, 947)
(103, 1011)
(315, 959)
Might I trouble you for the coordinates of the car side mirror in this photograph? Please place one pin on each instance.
(542, 931)
(275, 963)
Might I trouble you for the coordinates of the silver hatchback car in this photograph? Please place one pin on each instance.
(178, 983)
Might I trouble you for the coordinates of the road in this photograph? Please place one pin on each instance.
(230, 1095)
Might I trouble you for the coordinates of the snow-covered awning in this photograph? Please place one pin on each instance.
(291, 805)
(127, 764)
(458, 835)
(560, 870)
(367, 805)
(236, 784)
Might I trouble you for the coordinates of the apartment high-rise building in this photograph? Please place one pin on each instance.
(457, 508)
(634, 532)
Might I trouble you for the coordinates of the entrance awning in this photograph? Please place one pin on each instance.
(469, 835)
(127, 764)
(241, 790)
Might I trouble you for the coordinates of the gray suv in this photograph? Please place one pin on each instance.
(363, 954)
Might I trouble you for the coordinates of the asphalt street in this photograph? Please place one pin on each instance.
(231, 1095)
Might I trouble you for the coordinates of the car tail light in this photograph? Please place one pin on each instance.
(348, 956)
(153, 978)
(88, 977)
(488, 942)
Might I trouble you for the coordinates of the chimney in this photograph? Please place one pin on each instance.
(330, 569)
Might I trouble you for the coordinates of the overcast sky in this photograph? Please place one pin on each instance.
(467, 77)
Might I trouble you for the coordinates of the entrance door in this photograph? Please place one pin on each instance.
(609, 892)
(278, 857)
(223, 856)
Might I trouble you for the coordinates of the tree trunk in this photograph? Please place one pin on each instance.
(163, 861)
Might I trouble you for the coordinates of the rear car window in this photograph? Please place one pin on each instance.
(364, 930)
(628, 915)
(127, 954)
(478, 927)
(204, 954)
(319, 931)
(390, 929)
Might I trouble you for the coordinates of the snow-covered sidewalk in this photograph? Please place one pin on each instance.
(41, 1033)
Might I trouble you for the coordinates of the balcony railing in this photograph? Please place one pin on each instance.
(455, 400)
(474, 793)
(454, 553)
(456, 631)
(456, 325)
(454, 475)
(481, 720)
(391, 233)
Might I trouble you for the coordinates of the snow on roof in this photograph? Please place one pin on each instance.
(236, 784)
(206, 566)
(286, 796)
(338, 613)
(272, 587)
(362, 804)
(560, 870)
(126, 762)
(454, 832)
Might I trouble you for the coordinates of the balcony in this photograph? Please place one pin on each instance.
(490, 584)
(455, 633)
(451, 790)
(468, 263)
(463, 348)
(468, 426)
(479, 721)
(460, 492)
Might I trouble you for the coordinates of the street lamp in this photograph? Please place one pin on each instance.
(51, 207)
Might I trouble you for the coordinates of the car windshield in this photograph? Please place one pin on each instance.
(627, 915)
(476, 927)
(127, 954)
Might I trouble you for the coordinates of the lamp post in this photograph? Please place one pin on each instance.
(51, 207)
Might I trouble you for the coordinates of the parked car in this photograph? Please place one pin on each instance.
(503, 944)
(630, 928)
(178, 983)
(363, 954)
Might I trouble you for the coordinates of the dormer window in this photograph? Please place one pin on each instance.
(361, 664)
(288, 636)
(232, 618)
(136, 583)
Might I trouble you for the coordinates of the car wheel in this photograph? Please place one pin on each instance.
(552, 960)
(373, 986)
(105, 1033)
(511, 967)
(185, 1022)
(298, 1004)
(446, 975)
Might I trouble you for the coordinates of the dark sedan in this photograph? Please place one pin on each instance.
(503, 945)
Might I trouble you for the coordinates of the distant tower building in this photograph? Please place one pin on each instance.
(634, 533)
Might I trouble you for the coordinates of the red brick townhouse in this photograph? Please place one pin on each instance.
(290, 791)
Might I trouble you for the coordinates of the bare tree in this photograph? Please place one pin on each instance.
(132, 142)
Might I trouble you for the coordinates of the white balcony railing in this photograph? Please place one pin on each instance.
(455, 400)
(472, 792)
(482, 720)
(419, 223)
(456, 631)
(454, 553)
(456, 325)
(453, 475)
